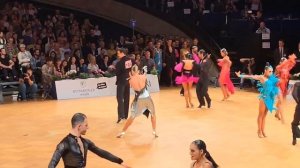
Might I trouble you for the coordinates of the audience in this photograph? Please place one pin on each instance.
(55, 43)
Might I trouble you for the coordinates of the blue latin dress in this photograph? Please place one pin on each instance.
(269, 91)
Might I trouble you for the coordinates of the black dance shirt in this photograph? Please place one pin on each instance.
(123, 68)
(69, 150)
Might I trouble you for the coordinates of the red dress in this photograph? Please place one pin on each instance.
(224, 78)
(283, 73)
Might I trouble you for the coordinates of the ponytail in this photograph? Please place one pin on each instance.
(202, 146)
(207, 155)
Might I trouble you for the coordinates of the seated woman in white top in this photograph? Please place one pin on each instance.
(93, 68)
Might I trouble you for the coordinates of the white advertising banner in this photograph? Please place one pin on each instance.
(94, 87)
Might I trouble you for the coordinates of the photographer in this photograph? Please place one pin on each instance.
(27, 87)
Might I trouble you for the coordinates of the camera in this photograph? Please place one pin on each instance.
(188, 56)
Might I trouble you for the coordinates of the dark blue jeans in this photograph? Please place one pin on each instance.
(25, 89)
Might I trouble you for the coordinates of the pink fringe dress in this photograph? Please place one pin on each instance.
(186, 75)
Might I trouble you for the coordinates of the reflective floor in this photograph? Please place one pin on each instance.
(31, 130)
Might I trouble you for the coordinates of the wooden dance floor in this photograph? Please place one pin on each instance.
(31, 130)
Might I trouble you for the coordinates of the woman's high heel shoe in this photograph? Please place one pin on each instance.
(155, 135)
(259, 133)
(264, 134)
(192, 105)
(277, 116)
(121, 135)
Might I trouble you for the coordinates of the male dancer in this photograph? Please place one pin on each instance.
(73, 148)
(202, 85)
(295, 123)
(142, 103)
(122, 72)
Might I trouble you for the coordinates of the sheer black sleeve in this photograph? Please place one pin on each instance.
(60, 149)
(102, 153)
(296, 92)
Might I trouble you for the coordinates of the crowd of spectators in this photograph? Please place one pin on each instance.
(195, 9)
(35, 51)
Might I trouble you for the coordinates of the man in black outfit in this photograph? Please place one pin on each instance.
(296, 120)
(202, 84)
(280, 52)
(73, 148)
(123, 68)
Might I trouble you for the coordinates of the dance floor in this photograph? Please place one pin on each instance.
(31, 130)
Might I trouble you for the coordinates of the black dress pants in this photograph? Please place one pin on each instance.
(123, 92)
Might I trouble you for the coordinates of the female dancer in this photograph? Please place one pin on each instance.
(224, 78)
(296, 120)
(283, 73)
(142, 103)
(268, 91)
(202, 85)
(186, 67)
(201, 156)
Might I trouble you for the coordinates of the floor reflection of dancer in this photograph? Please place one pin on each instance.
(202, 84)
(268, 91)
(73, 148)
(186, 67)
(283, 73)
(296, 120)
(224, 78)
(142, 103)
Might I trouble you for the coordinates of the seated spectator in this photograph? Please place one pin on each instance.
(82, 66)
(53, 55)
(64, 67)
(11, 48)
(263, 29)
(230, 7)
(111, 51)
(47, 74)
(138, 60)
(62, 39)
(28, 40)
(28, 87)
(93, 68)
(7, 67)
(97, 31)
(93, 50)
(2, 40)
(36, 61)
(147, 61)
(57, 68)
(24, 58)
(104, 64)
(73, 64)
(64, 51)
